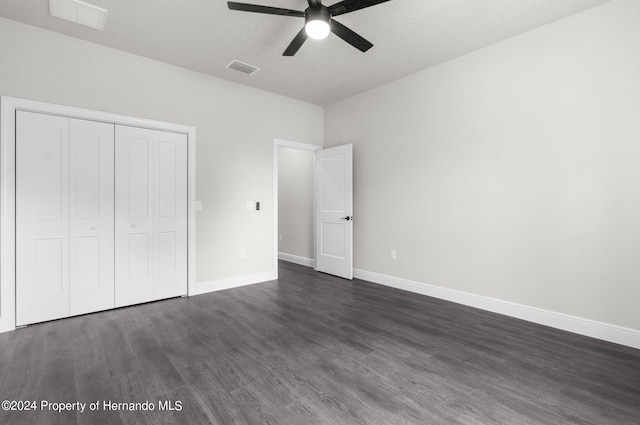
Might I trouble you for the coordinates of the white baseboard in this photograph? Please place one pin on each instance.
(232, 282)
(303, 261)
(591, 328)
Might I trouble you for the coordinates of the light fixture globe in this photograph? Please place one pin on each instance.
(317, 29)
(317, 22)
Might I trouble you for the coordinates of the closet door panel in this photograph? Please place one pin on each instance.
(134, 238)
(91, 216)
(42, 217)
(170, 221)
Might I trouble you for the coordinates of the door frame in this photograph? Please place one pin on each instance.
(280, 143)
(8, 108)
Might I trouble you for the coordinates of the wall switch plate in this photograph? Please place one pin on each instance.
(198, 205)
(280, 237)
(249, 205)
(393, 254)
(243, 253)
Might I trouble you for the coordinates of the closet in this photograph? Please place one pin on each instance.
(101, 216)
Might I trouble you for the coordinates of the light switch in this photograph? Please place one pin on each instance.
(198, 205)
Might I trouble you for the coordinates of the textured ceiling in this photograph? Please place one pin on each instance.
(203, 35)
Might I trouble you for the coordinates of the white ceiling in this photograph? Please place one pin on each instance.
(203, 35)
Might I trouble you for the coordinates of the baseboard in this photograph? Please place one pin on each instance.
(303, 261)
(591, 328)
(231, 282)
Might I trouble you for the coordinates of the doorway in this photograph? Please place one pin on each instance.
(294, 201)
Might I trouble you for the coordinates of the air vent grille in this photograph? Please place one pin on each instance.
(245, 68)
(79, 12)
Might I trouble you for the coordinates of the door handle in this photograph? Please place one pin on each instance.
(133, 226)
(348, 218)
(93, 227)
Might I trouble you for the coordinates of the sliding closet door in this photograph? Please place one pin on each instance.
(42, 217)
(91, 216)
(151, 226)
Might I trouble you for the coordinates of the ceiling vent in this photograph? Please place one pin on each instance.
(79, 12)
(245, 68)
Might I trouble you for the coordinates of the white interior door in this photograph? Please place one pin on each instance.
(91, 216)
(42, 217)
(334, 211)
(151, 211)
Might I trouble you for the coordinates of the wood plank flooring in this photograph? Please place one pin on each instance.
(311, 349)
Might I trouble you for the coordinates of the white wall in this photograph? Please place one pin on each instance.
(295, 201)
(512, 172)
(235, 125)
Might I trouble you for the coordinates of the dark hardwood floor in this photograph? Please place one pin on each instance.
(313, 349)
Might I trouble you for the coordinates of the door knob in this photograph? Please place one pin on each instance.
(93, 227)
(133, 226)
(348, 218)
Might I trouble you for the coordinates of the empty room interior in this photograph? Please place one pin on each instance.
(320, 212)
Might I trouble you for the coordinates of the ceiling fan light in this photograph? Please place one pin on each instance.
(317, 29)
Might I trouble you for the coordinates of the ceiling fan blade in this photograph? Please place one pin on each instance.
(245, 7)
(314, 3)
(296, 43)
(347, 6)
(349, 36)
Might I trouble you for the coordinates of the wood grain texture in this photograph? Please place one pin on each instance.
(312, 349)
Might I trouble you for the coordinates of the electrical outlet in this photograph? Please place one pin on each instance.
(243, 253)
(393, 254)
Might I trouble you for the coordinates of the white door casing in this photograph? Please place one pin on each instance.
(334, 211)
(42, 218)
(150, 214)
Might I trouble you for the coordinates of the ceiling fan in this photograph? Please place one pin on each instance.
(319, 21)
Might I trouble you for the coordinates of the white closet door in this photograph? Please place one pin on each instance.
(91, 216)
(42, 217)
(151, 226)
(134, 215)
(170, 214)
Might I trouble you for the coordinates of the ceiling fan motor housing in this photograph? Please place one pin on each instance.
(320, 13)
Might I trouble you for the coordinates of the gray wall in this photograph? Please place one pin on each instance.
(295, 201)
(235, 125)
(512, 172)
